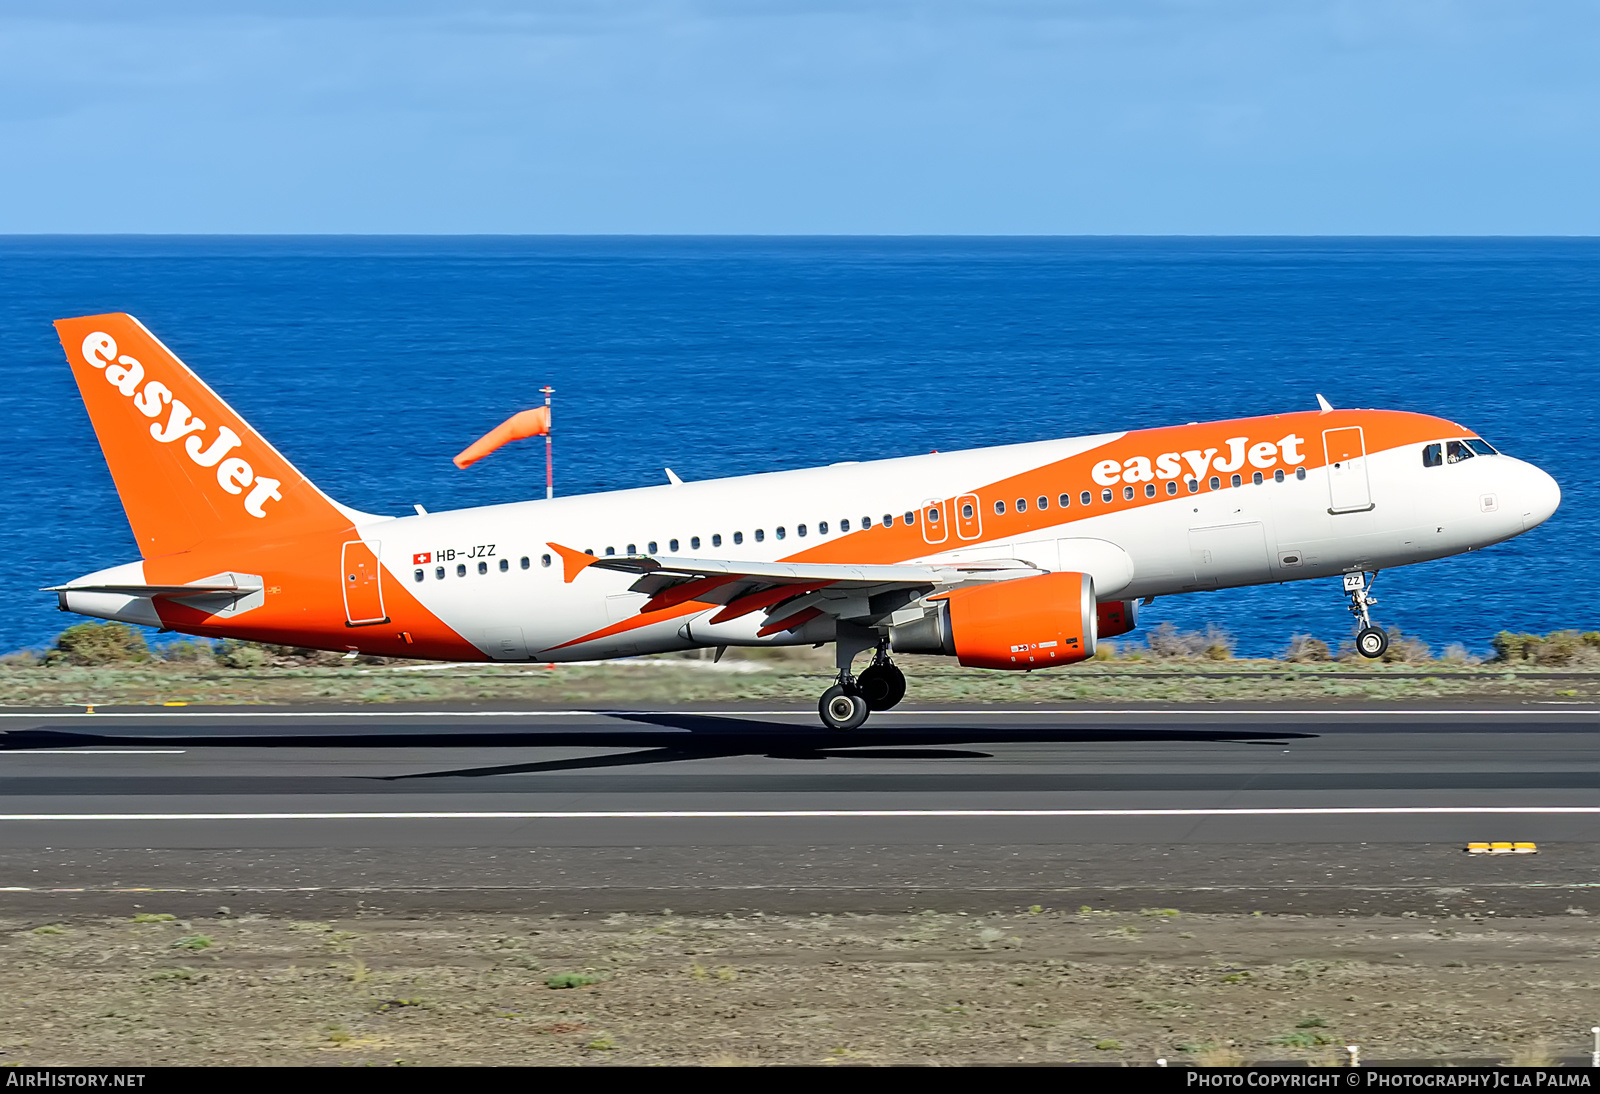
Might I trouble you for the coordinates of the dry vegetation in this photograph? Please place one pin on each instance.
(110, 664)
(1036, 985)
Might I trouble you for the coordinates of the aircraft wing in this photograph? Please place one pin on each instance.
(790, 594)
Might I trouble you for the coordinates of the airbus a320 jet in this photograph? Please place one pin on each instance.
(1017, 558)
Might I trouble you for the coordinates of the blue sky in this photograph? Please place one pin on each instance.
(872, 116)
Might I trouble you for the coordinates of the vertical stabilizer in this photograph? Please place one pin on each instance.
(187, 467)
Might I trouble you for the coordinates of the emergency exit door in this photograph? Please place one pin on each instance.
(1348, 488)
(363, 585)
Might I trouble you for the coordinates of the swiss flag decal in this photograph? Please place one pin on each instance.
(421, 558)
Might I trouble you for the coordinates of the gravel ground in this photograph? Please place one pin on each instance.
(1014, 987)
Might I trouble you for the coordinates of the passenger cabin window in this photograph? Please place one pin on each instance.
(933, 516)
(672, 545)
(419, 575)
(1300, 473)
(1256, 478)
(716, 539)
(1216, 483)
(694, 543)
(611, 551)
(1127, 493)
(505, 565)
(1085, 498)
(1043, 502)
(438, 573)
(651, 546)
(999, 507)
(1064, 500)
(1237, 481)
(1172, 487)
(1277, 476)
(822, 528)
(800, 530)
(461, 569)
(888, 519)
(966, 511)
(525, 561)
(866, 522)
(911, 518)
(1149, 489)
(1022, 505)
(544, 560)
(844, 525)
(1194, 486)
(779, 532)
(633, 548)
(483, 567)
(760, 535)
(738, 537)
(1105, 495)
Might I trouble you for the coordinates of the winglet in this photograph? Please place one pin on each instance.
(1323, 403)
(672, 477)
(572, 562)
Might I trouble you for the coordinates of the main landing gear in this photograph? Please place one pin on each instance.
(1371, 641)
(879, 687)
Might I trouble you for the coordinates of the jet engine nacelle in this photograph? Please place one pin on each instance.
(1029, 623)
(1117, 617)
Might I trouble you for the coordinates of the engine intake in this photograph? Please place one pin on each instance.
(1029, 623)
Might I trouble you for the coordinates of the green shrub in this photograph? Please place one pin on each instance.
(99, 644)
(1554, 649)
(185, 650)
(1305, 649)
(240, 655)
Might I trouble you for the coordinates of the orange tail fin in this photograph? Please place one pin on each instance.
(188, 469)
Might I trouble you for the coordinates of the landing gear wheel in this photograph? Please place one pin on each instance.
(1371, 642)
(882, 685)
(842, 709)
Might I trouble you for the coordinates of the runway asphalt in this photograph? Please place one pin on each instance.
(1205, 809)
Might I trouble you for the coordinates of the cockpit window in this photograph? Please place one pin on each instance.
(1481, 446)
(1433, 455)
(1456, 451)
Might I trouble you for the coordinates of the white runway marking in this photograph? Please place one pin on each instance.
(93, 751)
(1162, 712)
(800, 814)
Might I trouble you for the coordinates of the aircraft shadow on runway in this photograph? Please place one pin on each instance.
(660, 738)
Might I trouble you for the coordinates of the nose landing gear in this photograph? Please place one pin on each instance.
(1371, 641)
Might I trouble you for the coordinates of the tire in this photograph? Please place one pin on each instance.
(841, 709)
(882, 686)
(1372, 642)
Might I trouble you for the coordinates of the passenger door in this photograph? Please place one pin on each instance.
(1348, 488)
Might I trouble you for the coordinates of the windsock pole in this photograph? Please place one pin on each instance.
(549, 452)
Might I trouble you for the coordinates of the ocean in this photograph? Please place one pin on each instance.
(370, 361)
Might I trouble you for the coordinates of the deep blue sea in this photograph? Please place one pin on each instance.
(371, 361)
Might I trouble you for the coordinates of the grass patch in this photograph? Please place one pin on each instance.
(194, 942)
(154, 917)
(574, 980)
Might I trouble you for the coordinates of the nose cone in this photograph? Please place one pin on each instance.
(1539, 494)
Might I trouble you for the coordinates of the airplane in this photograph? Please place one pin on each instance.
(1018, 557)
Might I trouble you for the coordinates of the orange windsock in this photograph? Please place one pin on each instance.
(518, 427)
